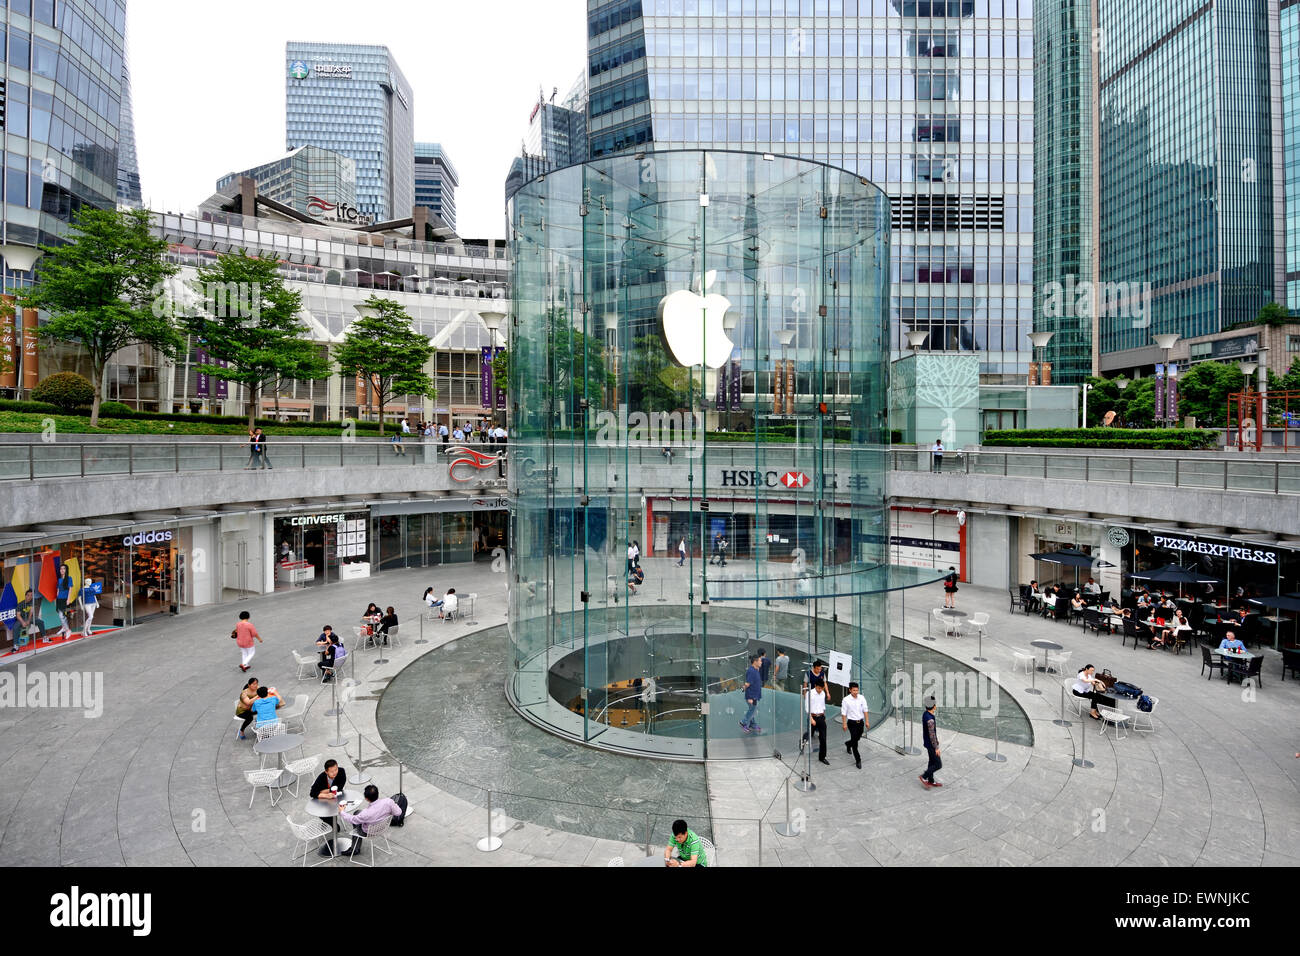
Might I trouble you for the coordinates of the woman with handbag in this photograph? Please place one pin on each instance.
(1088, 685)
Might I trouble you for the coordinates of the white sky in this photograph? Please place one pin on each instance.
(208, 78)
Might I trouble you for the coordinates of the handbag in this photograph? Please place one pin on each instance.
(1107, 679)
(235, 633)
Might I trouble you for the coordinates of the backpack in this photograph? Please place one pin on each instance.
(400, 800)
(1126, 690)
(1144, 704)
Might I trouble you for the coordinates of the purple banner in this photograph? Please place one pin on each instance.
(735, 386)
(485, 376)
(202, 382)
(1171, 390)
(720, 399)
(222, 389)
(1160, 392)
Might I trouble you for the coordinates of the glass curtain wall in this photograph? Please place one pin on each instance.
(660, 300)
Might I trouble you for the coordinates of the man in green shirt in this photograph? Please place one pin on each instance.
(690, 848)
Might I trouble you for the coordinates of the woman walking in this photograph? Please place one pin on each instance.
(244, 635)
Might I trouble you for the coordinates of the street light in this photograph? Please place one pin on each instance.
(1165, 342)
(1262, 357)
(18, 258)
(916, 338)
(1039, 341)
(1087, 387)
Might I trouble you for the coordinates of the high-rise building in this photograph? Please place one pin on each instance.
(1182, 135)
(128, 166)
(932, 100)
(354, 100)
(1290, 65)
(436, 181)
(556, 136)
(315, 181)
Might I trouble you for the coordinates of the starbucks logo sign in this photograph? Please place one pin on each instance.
(1117, 536)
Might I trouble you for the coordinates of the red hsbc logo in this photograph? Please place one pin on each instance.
(794, 479)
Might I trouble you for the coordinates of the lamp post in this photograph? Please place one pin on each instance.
(729, 320)
(1262, 358)
(492, 320)
(19, 258)
(1039, 342)
(916, 338)
(1087, 387)
(1165, 342)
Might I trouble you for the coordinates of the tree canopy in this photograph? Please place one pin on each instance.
(384, 349)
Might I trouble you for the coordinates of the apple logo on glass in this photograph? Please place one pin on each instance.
(691, 326)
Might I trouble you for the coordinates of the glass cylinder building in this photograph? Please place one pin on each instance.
(698, 369)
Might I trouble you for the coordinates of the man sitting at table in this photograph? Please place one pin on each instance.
(334, 777)
(1091, 587)
(375, 809)
(1175, 626)
(1035, 596)
(1230, 644)
(1144, 599)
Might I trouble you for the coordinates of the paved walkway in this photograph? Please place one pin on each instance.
(158, 778)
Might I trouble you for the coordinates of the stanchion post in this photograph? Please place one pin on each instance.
(1061, 721)
(420, 639)
(362, 776)
(1082, 760)
(996, 756)
(647, 834)
(787, 829)
(339, 740)
(489, 842)
(1033, 680)
(979, 653)
(805, 784)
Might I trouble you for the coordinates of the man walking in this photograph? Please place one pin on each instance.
(765, 667)
(244, 636)
(930, 735)
(782, 671)
(681, 552)
(853, 716)
(816, 719)
(753, 694)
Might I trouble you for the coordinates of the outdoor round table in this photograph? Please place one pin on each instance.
(656, 860)
(1046, 646)
(1226, 656)
(329, 808)
(279, 745)
(953, 613)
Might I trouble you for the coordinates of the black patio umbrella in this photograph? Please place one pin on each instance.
(1282, 602)
(1072, 558)
(1176, 574)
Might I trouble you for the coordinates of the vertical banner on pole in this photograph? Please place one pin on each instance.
(778, 389)
(361, 393)
(485, 376)
(720, 398)
(735, 386)
(789, 386)
(1160, 392)
(31, 368)
(8, 344)
(202, 381)
(222, 387)
(1171, 390)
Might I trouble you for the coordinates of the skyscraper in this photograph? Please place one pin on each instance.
(436, 181)
(1182, 132)
(1290, 64)
(353, 99)
(932, 100)
(556, 136)
(312, 180)
(128, 167)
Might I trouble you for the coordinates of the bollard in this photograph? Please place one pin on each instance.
(760, 842)
(334, 696)
(1082, 760)
(400, 768)
(662, 599)
(489, 842)
(362, 776)
(647, 834)
(805, 784)
(910, 747)
(339, 740)
(380, 648)
(786, 829)
(979, 653)
(1061, 721)
(996, 757)
(420, 639)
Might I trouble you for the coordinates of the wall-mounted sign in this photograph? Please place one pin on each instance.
(298, 70)
(795, 479)
(337, 212)
(1215, 550)
(146, 537)
(315, 519)
(339, 70)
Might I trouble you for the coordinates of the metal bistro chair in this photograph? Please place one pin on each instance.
(1022, 657)
(302, 768)
(977, 624)
(304, 661)
(374, 831)
(296, 712)
(1151, 724)
(263, 778)
(1080, 704)
(1213, 663)
(306, 833)
(1114, 718)
(1059, 662)
(393, 634)
(272, 728)
(1244, 671)
(1018, 598)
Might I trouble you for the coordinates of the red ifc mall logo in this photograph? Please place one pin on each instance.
(794, 479)
(336, 212)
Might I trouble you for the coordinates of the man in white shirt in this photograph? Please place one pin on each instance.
(853, 717)
(816, 718)
(1092, 587)
(449, 604)
(936, 455)
(442, 433)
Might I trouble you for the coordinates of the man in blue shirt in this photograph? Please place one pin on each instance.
(753, 694)
(266, 705)
(1231, 644)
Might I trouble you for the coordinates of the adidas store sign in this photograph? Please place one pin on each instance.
(146, 537)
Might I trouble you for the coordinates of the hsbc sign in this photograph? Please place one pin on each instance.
(738, 478)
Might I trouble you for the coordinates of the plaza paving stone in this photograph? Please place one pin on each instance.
(157, 780)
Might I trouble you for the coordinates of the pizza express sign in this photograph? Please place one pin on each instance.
(1215, 550)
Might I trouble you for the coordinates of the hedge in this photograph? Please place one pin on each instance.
(1181, 438)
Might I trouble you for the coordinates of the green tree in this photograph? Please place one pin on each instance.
(1273, 314)
(501, 370)
(102, 288)
(68, 390)
(388, 353)
(250, 320)
(1203, 391)
(656, 382)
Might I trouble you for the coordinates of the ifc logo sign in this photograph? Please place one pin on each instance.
(298, 70)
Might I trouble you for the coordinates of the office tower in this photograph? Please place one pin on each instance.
(354, 100)
(309, 179)
(128, 167)
(436, 181)
(556, 135)
(932, 100)
(1290, 66)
